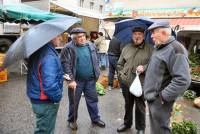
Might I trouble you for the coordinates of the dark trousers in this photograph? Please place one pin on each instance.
(45, 115)
(112, 68)
(140, 113)
(159, 115)
(88, 87)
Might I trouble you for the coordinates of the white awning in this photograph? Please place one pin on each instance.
(78, 10)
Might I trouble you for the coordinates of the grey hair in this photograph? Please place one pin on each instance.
(73, 36)
(168, 31)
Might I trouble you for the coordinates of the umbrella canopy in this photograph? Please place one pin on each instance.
(36, 37)
(16, 12)
(123, 29)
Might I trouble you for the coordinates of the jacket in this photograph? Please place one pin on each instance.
(115, 47)
(68, 60)
(45, 76)
(101, 44)
(131, 57)
(168, 73)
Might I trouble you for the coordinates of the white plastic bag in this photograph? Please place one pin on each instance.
(136, 88)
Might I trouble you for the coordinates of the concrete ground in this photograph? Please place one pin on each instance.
(16, 116)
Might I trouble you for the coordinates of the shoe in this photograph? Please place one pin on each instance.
(122, 128)
(73, 125)
(109, 88)
(140, 131)
(99, 123)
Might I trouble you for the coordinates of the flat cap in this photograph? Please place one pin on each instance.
(77, 30)
(138, 29)
(158, 24)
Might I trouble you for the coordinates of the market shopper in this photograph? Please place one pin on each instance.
(167, 76)
(45, 86)
(101, 46)
(134, 57)
(79, 60)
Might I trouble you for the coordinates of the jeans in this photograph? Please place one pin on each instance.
(91, 97)
(45, 114)
(103, 60)
(112, 68)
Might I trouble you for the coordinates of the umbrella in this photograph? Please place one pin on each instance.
(123, 29)
(36, 37)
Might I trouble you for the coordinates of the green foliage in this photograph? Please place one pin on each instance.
(189, 94)
(194, 59)
(100, 89)
(184, 127)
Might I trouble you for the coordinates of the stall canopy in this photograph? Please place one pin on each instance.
(16, 12)
(78, 10)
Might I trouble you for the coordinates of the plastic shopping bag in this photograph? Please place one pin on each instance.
(136, 88)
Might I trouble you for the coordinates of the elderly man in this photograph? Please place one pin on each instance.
(167, 76)
(45, 85)
(134, 57)
(79, 60)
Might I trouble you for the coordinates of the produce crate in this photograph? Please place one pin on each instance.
(3, 76)
(4, 73)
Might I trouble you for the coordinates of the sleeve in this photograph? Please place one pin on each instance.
(50, 82)
(181, 79)
(150, 51)
(120, 64)
(65, 59)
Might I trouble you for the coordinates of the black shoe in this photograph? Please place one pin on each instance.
(99, 123)
(73, 125)
(122, 128)
(140, 131)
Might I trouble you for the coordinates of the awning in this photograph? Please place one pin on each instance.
(183, 21)
(78, 10)
(16, 12)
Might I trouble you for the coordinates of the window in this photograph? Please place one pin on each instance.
(101, 8)
(91, 5)
(81, 3)
(28, 0)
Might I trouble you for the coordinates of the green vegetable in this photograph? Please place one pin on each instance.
(184, 127)
(100, 89)
(189, 94)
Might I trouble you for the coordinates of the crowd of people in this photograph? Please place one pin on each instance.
(163, 68)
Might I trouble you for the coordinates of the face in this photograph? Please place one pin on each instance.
(57, 41)
(81, 38)
(157, 36)
(138, 37)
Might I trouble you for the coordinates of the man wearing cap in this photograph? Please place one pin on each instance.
(79, 61)
(167, 76)
(134, 57)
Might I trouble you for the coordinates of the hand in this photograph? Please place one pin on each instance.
(72, 85)
(66, 77)
(140, 69)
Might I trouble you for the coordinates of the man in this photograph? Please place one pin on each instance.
(102, 50)
(134, 57)
(45, 85)
(114, 51)
(167, 77)
(79, 60)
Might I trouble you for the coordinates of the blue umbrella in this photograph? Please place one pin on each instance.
(123, 29)
(36, 37)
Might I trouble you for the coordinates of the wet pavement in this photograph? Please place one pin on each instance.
(16, 116)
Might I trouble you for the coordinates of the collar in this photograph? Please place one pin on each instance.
(169, 41)
(49, 45)
(139, 46)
